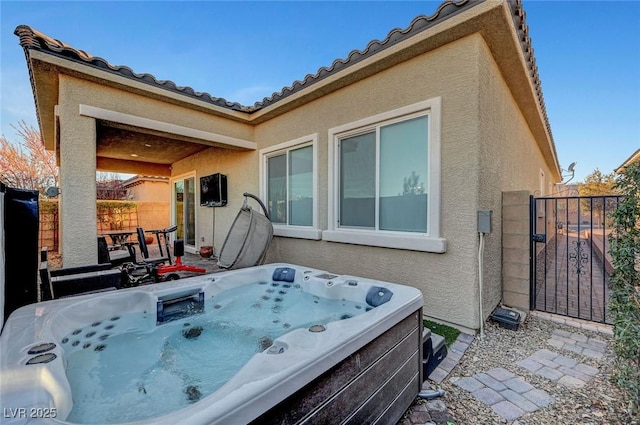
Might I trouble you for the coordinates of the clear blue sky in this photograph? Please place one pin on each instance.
(588, 54)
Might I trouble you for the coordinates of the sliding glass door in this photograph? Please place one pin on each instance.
(184, 209)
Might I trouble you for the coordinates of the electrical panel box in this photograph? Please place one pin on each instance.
(484, 221)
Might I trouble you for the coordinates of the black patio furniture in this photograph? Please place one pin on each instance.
(80, 280)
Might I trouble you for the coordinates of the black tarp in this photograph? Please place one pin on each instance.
(20, 248)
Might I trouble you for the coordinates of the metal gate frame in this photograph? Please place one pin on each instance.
(569, 261)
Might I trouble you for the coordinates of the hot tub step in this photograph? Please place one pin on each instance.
(437, 341)
(434, 351)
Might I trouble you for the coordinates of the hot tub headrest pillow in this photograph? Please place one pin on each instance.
(377, 295)
(284, 274)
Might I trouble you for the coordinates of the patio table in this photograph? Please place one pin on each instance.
(118, 237)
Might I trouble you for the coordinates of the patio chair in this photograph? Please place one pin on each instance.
(248, 238)
(118, 256)
(80, 280)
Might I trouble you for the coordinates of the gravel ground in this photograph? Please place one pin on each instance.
(598, 402)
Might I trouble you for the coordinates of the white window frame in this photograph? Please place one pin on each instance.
(172, 205)
(431, 241)
(283, 229)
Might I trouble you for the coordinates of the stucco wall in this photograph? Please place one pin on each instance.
(77, 179)
(241, 168)
(510, 160)
(447, 280)
(106, 97)
(486, 148)
(149, 190)
(78, 152)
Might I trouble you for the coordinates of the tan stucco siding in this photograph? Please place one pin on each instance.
(448, 280)
(241, 168)
(101, 96)
(510, 160)
(150, 191)
(77, 180)
(78, 152)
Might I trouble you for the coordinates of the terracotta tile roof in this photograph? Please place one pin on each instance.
(419, 24)
(33, 39)
(519, 20)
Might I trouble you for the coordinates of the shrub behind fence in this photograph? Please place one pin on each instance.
(110, 215)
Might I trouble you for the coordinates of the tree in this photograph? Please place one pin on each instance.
(27, 164)
(625, 284)
(597, 185)
(411, 185)
(109, 186)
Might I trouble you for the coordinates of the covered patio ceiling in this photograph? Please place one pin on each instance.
(133, 144)
(122, 148)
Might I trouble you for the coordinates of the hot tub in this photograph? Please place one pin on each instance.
(271, 344)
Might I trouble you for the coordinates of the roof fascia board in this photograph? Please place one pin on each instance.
(206, 137)
(139, 179)
(633, 158)
(86, 71)
(44, 81)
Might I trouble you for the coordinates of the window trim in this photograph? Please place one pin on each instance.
(287, 230)
(428, 242)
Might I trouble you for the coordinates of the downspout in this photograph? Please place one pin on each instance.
(480, 282)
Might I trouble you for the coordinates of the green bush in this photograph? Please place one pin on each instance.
(625, 284)
(115, 215)
(48, 206)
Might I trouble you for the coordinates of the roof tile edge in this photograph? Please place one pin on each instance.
(31, 38)
(522, 29)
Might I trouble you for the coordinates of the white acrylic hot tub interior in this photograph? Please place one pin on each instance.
(273, 348)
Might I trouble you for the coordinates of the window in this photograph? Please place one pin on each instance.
(289, 187)
(384, 174)
(397, 153)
